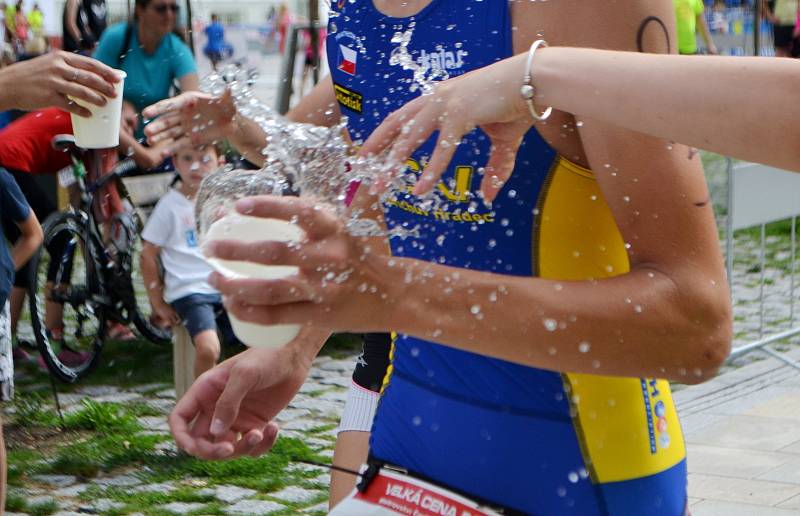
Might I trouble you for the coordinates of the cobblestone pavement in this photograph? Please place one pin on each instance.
(311, 417)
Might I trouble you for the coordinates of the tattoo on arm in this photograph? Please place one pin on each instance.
(643, 27)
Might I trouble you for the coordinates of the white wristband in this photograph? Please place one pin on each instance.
(527, 91)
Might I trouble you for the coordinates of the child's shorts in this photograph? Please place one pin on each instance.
(201, 312)
(6, 359)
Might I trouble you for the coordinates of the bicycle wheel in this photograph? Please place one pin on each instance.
(67, 313)
(132, 289)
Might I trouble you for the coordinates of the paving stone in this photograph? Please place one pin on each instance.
(254, 507)
(318, 443)
(291, 414)
(304, 468)
(310, 386)
(321, 359)
(732, 462)
(206, 491)
(338, 366)
(294, 494)
(98, 390)
(756, 492)
(792, 448)
(60, 513)
(328, 409)
(304, 425)
(55, 480)
(339, 395)
(149, 387)
(786, 407)
(324, 479)
(787, 473)
(161, 487)
(337, 380)
(154, 423)
(230, 494)
(182, 507)
(120, 397)
(325, 453)
(320, 507)
(166, 393)
(118, 481)
(106, 504)
(162, 405)
(752, 433)
(17, 514)
(721, 508)
(791, 503)
(167, 447)
(41, 500)
(71, 491)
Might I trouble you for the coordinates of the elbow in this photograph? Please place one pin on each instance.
(710, 333)
(38, 237)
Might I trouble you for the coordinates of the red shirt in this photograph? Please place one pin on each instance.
(25, 143)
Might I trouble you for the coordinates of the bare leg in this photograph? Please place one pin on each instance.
(16, 302)
(351, 452)
(53, 312)
(3, 469)
(206, 347)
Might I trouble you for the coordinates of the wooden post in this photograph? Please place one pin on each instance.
(182, 360)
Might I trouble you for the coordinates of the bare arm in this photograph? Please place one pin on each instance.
(150, 275)
(72, 14)
(29, 241)
(189, 82)
(706, 34)
(145, 157)
(681, 98)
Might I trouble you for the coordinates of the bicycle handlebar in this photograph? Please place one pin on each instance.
(120, 170)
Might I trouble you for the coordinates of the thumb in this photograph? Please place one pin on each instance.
(241, 381)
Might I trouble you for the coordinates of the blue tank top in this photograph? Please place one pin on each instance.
(496, 430)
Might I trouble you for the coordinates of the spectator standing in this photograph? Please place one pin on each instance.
(215, 44)
(37, 44)
(20, 29)
(283, 21)
(171, 238)
(150, 53)
(83, 22)
(6, 52)
(690, 17)
(15, 209)
(783, 16)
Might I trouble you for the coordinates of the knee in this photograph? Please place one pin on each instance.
(207, 346)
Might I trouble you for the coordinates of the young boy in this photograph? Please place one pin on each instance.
(169, 235)
(13, 207)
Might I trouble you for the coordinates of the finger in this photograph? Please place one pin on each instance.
(270, 435)
(186, 410)
(414, 134)
(171, 146)
(446, 145)
(173, 134)
(240, 381)
(61, 101)
(253, 291)
(108, 74)
(499, 169)
(80, 92)
(90, 80)
(162, 123)
(317, 222)
(391, 127)
(293, 313)
(166, 106)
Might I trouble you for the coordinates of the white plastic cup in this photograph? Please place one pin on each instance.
(101, 130)
(248, 229)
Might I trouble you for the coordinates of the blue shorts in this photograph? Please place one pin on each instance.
(201, 312)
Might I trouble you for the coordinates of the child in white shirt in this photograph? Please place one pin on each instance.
(170, 235)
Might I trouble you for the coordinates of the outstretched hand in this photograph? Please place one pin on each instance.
(488, 98)
(228, 411)
(54, 79)
(192, 118)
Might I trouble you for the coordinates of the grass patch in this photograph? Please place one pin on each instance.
(43, 508)
(16, 503)
(103, 418)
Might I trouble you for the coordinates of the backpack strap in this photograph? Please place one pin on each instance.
(126, 42)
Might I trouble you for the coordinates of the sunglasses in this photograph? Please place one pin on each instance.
(162, 8)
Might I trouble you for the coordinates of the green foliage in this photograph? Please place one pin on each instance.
(104, 418)
(43, 508)
(32, 410)
(16, 503)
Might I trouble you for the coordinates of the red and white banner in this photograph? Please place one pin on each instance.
(394, 493)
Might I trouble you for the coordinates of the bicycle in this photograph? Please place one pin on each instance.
(83, 276)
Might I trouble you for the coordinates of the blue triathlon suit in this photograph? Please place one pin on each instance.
(536, 441)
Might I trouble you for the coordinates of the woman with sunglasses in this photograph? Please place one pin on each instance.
(152, 55)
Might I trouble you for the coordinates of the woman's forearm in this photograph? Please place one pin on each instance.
(638, 324)
(738, 106)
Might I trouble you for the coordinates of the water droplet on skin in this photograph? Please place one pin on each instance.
(584, 347)
(550, 324)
